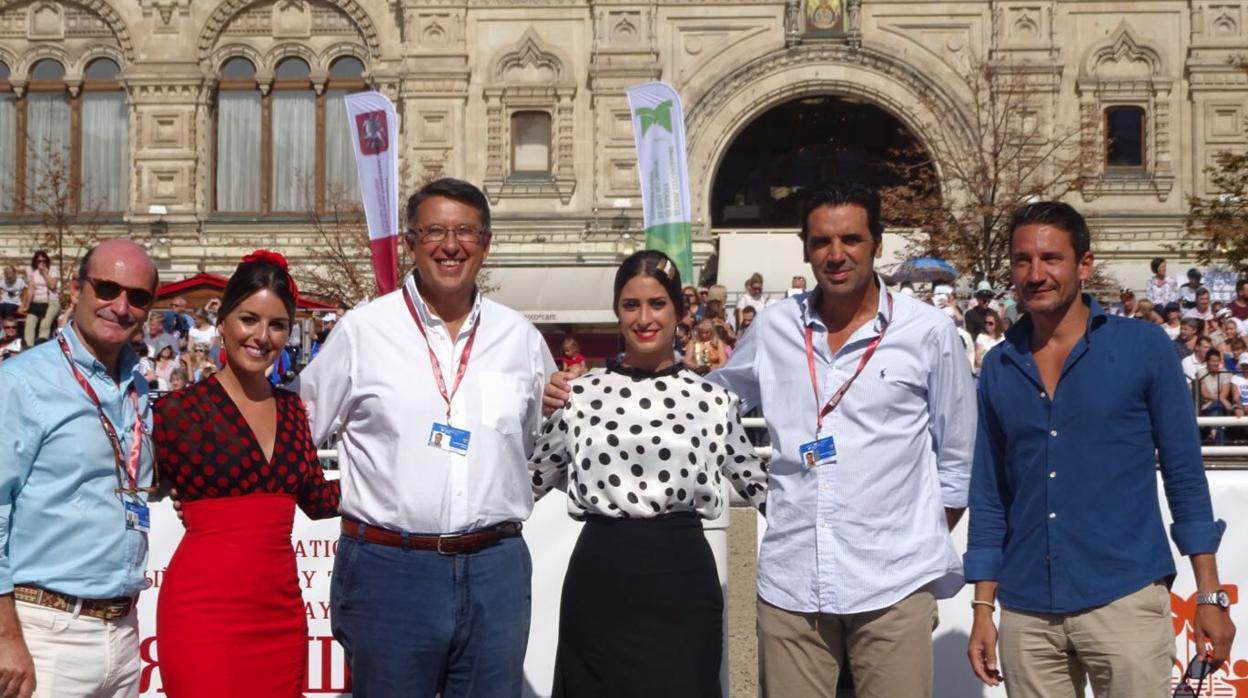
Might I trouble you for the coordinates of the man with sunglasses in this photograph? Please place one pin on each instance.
(435, 394)
(1076, 408)
(10, 339)
(75, 470)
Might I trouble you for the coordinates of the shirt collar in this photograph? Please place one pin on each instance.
(431, 320)
(808, 304)
(127, 360)
(1018, 338)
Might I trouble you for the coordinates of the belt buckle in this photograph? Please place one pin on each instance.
(439, 546)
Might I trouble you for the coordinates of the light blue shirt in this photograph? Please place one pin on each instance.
(863, 533)
(62, 525)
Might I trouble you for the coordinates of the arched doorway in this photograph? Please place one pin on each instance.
(803, 142)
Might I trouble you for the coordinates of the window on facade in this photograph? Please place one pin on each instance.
(61, 152)
(1124, 138)
(284, 151)
(8, 140)
(530, 143)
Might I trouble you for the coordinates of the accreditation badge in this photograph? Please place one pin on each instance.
(817, 452)
(448, 438)
(138, 517)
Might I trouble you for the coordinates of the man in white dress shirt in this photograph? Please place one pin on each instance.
(874, 388)
(433, 394)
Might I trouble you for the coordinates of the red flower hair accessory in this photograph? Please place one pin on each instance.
(275, 258)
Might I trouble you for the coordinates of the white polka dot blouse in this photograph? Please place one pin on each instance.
(634, 444)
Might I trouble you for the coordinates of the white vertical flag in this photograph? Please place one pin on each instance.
(374, 131)
(659, 130)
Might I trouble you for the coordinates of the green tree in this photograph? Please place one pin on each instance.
(1218, 224)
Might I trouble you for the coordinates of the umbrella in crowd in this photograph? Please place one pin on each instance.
(925, 269)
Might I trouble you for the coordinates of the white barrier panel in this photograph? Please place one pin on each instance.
(549, 532)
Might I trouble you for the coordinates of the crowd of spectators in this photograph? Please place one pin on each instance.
(179, 345)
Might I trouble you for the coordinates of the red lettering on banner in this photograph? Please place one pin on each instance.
(154, 578)
(316, 547)
(150, 664)
(325, 682)
(308, 575)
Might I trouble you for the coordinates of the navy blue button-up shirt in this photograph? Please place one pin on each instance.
(1064, 508)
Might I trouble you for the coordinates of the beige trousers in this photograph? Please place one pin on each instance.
(81, 657)
(889, 650)
(1125, 649)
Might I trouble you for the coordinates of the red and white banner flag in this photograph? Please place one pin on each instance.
(374, 133)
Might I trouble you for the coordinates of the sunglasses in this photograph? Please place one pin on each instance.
(1198, 670)
(109, 290)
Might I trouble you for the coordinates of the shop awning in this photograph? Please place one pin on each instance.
(555, 295)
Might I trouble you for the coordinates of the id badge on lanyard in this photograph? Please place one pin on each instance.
(822, 451)
(443, 436)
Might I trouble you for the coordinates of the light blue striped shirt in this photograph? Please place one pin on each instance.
(62, 525)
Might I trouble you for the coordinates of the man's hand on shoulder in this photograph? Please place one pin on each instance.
(17, 669)
(557, 393)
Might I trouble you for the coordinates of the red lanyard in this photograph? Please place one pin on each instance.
(131, 464)
(433, 358)
(862, 363)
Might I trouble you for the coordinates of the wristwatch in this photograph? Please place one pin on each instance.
(1218, 598)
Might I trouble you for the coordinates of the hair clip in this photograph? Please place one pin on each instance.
(665, 266)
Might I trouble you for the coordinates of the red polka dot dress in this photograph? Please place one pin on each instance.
(230, 620)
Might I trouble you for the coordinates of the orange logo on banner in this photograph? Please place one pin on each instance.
(1231, 681)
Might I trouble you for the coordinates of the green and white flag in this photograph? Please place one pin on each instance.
(659, 129)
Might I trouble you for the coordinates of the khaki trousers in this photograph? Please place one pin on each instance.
(81, 657)
(1125, 649)
(889, 650)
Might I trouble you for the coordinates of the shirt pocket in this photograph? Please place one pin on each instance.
(504, 401)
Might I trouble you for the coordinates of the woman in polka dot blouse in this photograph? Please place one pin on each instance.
(642, 449)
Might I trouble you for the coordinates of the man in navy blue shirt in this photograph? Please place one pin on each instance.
(1065, 526)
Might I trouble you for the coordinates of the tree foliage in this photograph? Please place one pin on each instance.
(1218, 224)
(972, 176)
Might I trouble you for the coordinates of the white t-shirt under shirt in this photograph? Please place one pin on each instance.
(205, 336)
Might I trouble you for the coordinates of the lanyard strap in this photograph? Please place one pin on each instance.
(129, 464)
(433, 357)
(862, 363)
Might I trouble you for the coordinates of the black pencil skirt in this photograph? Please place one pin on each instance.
(642, 612)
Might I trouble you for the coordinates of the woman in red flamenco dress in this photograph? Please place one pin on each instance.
(239, 455)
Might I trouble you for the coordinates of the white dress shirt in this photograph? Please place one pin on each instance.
(372, 389)
(865, 532)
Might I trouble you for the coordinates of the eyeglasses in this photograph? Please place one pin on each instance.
(463, 233)
(109, 290)
(10, 327)
(1198, 670)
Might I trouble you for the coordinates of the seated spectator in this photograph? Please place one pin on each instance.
(572, 361)
(752, 298)
(177, 322)
(1202, 306)
(211, 307)
(796, 287)
(992, 335)
(1235, 348)
(1187, 292)
(1160, 290)
(1126, 304)
(681, 339)
(1214, 384)
(1227, 330)
(11, 288)
(973, 318)
(1240, 383)
(1239, 306)
(693, 302)
(1194, 362)
(706, 352)
(747, 319)
(204, 332)
(166, 361)
(328, 320)
(715, 313)
(146, 366)
(154, 334)
(41, 302)
(10, 340)
(1146, 311)
(179, 379)
(1173, 316)
(1189, 333)
(206, 370)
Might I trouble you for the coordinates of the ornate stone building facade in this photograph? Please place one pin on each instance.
(206, 127)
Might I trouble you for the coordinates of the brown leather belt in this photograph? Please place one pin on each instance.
(454, 544)
(104, 609)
